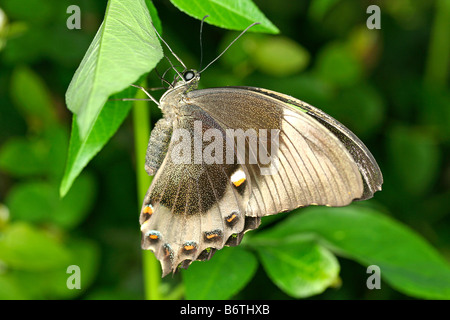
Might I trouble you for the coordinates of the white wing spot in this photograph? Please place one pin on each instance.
(238, 177)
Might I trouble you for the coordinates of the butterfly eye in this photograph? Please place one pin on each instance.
(188, 75)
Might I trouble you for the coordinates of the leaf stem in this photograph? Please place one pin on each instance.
(141, 122)
(176, 294)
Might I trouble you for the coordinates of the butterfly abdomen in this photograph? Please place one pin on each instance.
(158, 145)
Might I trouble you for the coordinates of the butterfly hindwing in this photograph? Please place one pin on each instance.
(192, 209)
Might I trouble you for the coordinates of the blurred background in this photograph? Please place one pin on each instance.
(389, 86)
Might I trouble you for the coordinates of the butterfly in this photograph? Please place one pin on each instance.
(222, 158)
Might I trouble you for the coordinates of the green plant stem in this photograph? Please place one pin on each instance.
(176, 294)
(438, 60)
(141, 121)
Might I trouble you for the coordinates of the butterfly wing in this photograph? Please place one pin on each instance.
(196, 207)
(368, 167)
(192, 208)
(320, 161)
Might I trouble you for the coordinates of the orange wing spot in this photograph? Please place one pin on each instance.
(153, 236)
(239, 182)
(189, 247)
(231, 218)
(148, 209)
(212, 235)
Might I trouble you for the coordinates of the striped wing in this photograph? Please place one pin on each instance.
(319, 161)
(193, 209)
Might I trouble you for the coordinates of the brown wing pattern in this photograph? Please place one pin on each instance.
(193, 209)
(314, 166)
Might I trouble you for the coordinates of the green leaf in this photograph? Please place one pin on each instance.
(228, 271)
(154, 15)
(338, 64)
(300, 269)
(42, 154)
(124, 48)
(14, 161)
(228, 14)
(39, 202)
(82, 150)
(31, 96)
(407, 262)
(292, 58)
(84, 254)
(24, 247)
(10, 289)
(52, 283)
(259, 50)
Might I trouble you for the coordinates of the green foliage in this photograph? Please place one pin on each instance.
(207, 281)
(36, 105)
(297, 254)
(42, 199)
(301, 269)
(338, 64)
(25, 248)
(104, 72)
(413, 151)
(256, 51)
(379, 83)
(32, 248)
(104, 69)
(230, 14)
(82, 150)
(407, 262)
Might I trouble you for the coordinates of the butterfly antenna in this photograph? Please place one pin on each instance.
(165, 72)
(162, 78)
(145, 91)
(253, 24)
(173, 67)
(201, 42)
(171, 51)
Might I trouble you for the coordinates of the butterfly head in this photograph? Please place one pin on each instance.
(189, 80)
(186, 81)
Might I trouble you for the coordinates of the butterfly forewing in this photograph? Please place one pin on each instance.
(313, 165)
(368, 167)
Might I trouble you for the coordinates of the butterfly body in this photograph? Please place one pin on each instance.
(225, 157)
